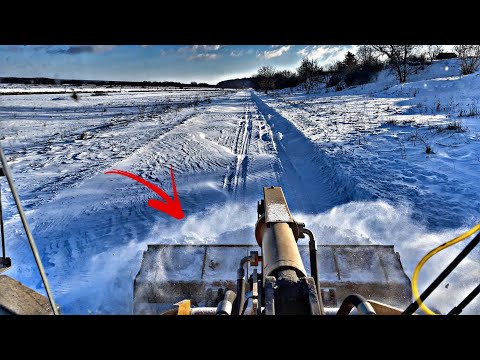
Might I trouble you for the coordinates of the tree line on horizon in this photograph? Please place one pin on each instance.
(361, 67)
(108, 83)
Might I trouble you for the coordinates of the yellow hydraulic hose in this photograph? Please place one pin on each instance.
(422, 262)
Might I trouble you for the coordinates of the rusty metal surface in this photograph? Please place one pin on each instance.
(280, 250)
(17, 299)
(276, 208)
(384, 309)
(170, 273)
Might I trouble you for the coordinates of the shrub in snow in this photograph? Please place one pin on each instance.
(455, 126)
(86, 135)
(359, 77)
(469, 56)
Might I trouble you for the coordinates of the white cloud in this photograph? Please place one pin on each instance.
(102, 48)
(203, 56)
(279, 51)
(194, 48)
(448, 48)
(266, 55)
(303, 52)
(326, 54)
(237, 53)
(206, 47)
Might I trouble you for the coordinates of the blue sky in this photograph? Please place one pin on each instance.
(185, 63)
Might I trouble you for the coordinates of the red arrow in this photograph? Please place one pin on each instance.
(170, 207)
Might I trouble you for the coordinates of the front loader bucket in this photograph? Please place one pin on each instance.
(171, 273)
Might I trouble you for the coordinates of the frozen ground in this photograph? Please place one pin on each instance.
(353, 165)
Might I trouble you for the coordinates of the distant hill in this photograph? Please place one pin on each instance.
(48, 81)
(243, 83)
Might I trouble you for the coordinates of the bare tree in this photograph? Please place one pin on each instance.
(469, 56)
(366, 55)
(308, 72)
(432, 51)
(398, 56)
(266, 78)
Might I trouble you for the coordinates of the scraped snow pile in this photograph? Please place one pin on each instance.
(376, 164)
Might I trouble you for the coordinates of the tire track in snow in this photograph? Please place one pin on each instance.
(236, 175)
(310, 181)
(242, 161)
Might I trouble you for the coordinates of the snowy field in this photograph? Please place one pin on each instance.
(353, 164)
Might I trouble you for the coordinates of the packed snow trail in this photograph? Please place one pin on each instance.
(309, 179)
